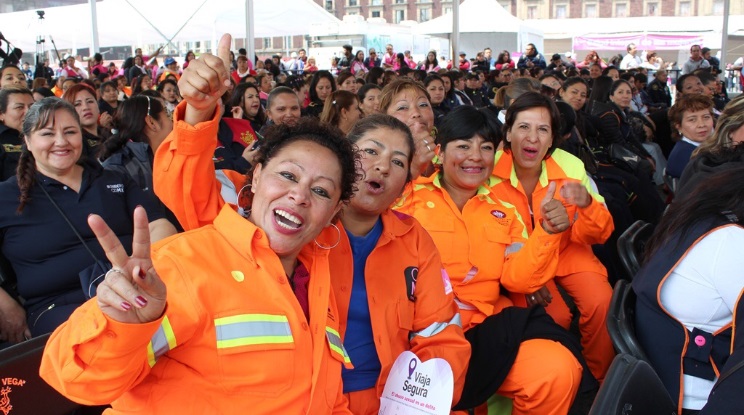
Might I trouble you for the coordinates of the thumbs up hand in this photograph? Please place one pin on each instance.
(554, 215)
(204, 81)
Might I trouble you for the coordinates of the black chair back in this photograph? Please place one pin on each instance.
(21, 388)
(621, 321)
(631, 387)
(632, 243)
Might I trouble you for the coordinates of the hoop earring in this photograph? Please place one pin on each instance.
(334, 245)
(245, 212)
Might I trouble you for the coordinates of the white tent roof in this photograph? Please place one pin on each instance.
(119, 24)
(567, 28)
(477, 16)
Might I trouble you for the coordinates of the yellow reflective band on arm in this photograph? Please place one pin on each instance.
(161, 342)
(252, 329)
(337, 347)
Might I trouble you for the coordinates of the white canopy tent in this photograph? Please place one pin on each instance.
(600, 33)
(130, 22)
(484, 23)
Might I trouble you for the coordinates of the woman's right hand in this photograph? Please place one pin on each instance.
(204, 81)
(554, 214)
(132, 291)
(423, 154)
(237, 112)
(13, 326)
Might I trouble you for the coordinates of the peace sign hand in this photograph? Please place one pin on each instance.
(132, 291)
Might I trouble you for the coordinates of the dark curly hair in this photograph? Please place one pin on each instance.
(278, 137)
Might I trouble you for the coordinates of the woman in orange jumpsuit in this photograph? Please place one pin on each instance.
(385, 270)
(525, 168)
(243, 319)
(516, 351)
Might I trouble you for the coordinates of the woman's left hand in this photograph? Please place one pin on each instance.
(541, 297)
(576, 194)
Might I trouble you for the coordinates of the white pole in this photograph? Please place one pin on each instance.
(94, 27)
(250, 39)
(724, 35)
(455, 32)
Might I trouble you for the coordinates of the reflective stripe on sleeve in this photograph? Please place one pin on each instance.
(436, 328)
(337, 346)
(515, 247)
(252, 329)
(162, 342)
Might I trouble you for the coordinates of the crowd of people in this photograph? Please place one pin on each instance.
(276, 235)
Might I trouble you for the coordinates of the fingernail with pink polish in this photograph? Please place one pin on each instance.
(142, 273)
(141, 301)
(126, 306)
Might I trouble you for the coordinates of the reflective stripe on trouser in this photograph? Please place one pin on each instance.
(436, 328)
(337, 347)
(252, 329)
(161, 342)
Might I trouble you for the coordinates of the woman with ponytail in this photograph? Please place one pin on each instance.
(44, 250)
(141, 124)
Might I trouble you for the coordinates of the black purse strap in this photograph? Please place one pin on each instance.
(82, 241)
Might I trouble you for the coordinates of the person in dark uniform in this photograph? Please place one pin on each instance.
(39, 243)
(474, 91)
(14, 103)
(321, 87)
(659, 96)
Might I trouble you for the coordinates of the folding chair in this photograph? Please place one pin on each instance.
(632, 243)
(22, 391)
(632, 387)
(621, 321)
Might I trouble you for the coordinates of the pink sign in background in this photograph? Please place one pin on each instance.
(642, 41)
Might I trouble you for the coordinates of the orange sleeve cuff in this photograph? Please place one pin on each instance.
(194, 139)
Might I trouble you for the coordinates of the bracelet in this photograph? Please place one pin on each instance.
(116, 270)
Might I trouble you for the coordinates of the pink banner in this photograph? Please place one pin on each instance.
(643, 42)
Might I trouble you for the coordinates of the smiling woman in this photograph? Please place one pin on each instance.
(245, 302)
(483, 245)
(408, 101)
(51, 177)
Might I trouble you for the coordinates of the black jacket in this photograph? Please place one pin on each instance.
(10, 151)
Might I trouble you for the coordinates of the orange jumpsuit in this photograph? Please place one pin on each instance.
(579, 272)
(184, 179)
(233, 337)
(429, 325)
(482, 247)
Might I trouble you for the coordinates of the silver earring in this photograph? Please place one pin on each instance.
(337, 240)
